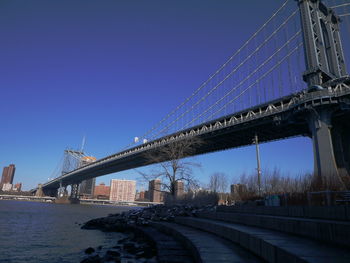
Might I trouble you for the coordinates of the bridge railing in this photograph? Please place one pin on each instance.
(328, 198)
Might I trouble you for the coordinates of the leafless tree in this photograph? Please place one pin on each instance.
(218, 183)
(273, 182)
(171, 165)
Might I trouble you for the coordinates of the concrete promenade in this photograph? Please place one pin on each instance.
(27, 198)
(257, 234)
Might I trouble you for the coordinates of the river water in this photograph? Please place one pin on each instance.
(34, 232)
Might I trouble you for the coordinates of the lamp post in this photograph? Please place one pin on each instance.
(258, 162)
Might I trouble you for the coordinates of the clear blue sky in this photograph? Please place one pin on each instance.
(109, 70)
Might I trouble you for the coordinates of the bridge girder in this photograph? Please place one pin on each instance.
(279, 119)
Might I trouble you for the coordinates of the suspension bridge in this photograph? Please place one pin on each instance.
(288, 79)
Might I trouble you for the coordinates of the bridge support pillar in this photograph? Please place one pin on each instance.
(62, 191)
(62, 196)
(74, 195)
(39, 192)
(325, 166)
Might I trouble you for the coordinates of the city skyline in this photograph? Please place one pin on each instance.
(76, 78)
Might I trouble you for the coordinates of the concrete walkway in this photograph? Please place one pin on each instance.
(272, 246)
(206, 247)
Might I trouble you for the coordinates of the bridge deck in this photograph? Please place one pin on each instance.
(279, 119)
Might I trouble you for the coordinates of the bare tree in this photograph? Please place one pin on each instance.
(171, 167)
(218, 183)
(273, 182)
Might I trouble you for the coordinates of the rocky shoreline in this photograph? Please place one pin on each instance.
(131, 249)
(136, 247)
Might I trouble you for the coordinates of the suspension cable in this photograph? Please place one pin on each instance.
(231, 73)
(244, 80)
(336, 6)
(259, 79)
(217, 71)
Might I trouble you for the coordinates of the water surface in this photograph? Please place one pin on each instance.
(45, 232)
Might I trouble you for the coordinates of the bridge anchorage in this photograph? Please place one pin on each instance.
(319, 111)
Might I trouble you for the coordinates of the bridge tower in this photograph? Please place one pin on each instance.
(324, 55)
(71, 162)
(325, 63)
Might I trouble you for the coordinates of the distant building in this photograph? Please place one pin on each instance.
(162, 197)
(179, 188)
(87, 187)
(17, 187)
(122, 190)
(6, 187)
(137, 195)
(154, 190)
(147, 195)
(8, 174)
(142, 195)
(101, 191)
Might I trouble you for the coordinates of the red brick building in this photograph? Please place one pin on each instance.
(154, 190)
(179, 188)
(101, 191)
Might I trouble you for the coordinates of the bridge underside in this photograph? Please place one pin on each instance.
(267, 129)
(323, 116)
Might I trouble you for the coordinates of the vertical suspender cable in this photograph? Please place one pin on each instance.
(265, 86)
(215, 73)
(288, 63)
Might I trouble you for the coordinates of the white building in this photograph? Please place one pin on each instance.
(122, 190)
(6, 187)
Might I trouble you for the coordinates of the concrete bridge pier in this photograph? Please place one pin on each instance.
(328, 148)
(39, 192)
(62, 191)
(64, 198)
(62, 195)
(74, 195)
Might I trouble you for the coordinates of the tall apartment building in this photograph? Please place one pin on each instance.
(8, 174)
(154, 190)
(179, 188)
(87, 187)
(122, 190)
